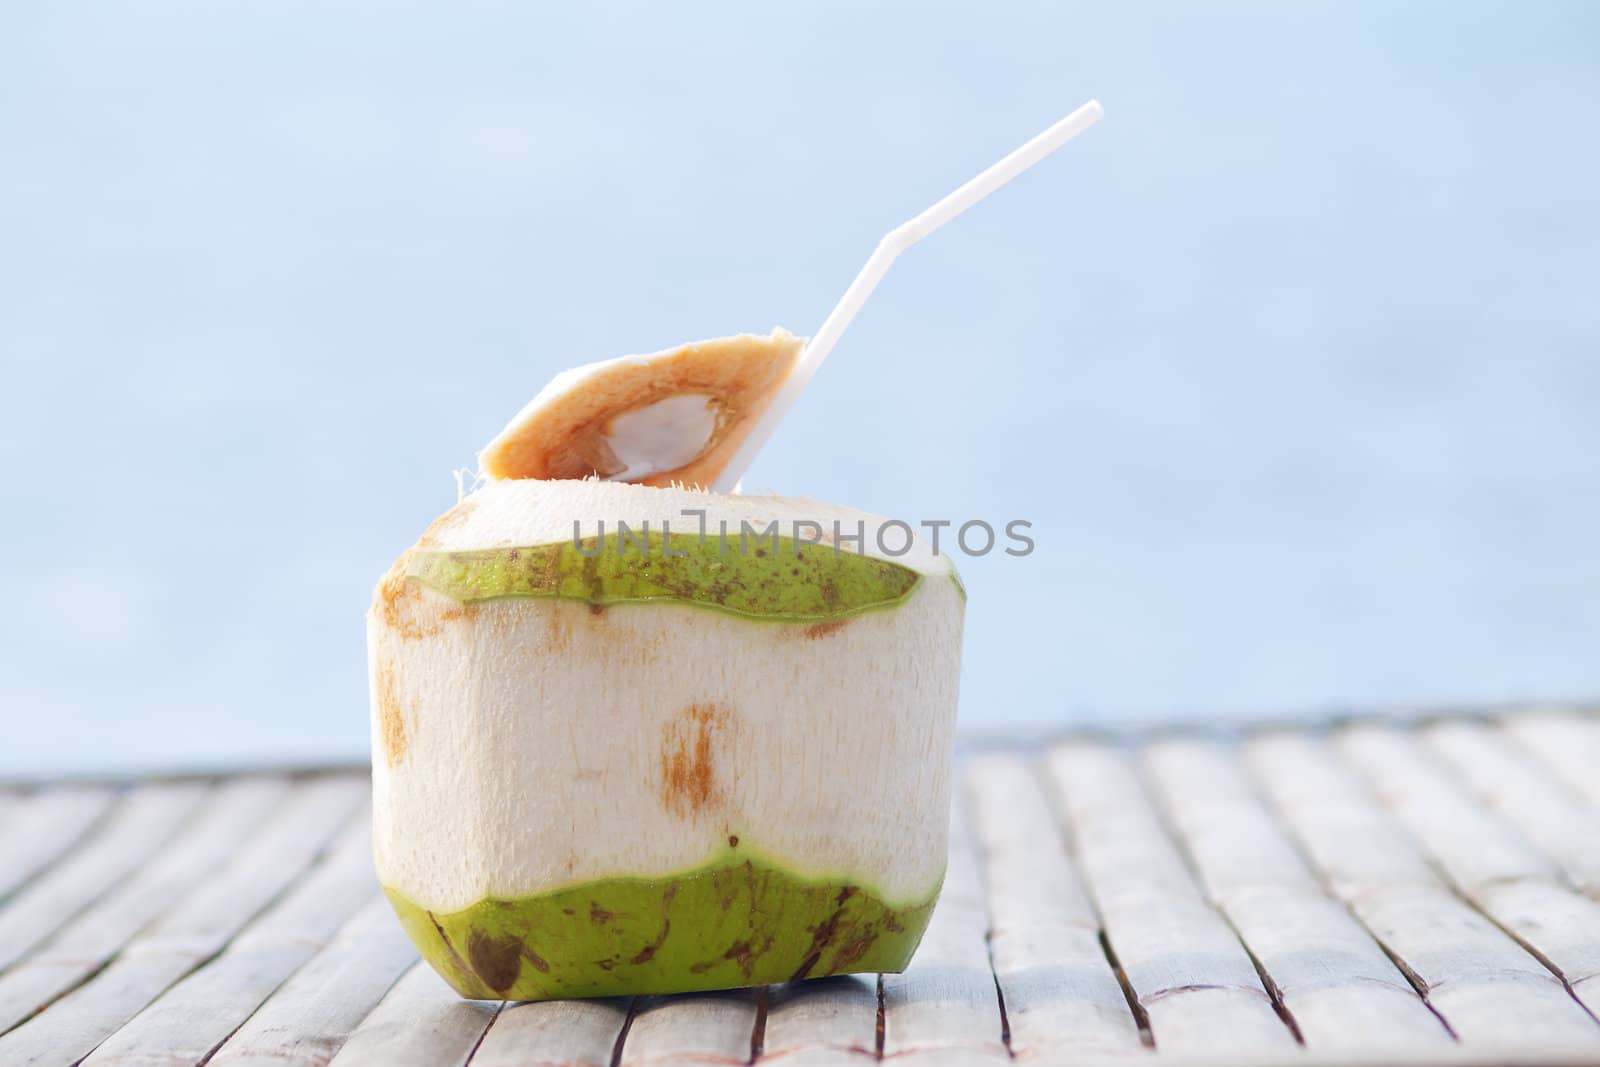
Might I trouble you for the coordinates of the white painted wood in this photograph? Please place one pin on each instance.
(83, 946)
(1564, 740)
(44, 826)
(315, 812)
(702, 1028)
(191, 1019)
(1552, 815)
(1186, 966)
(1473, 844)
(195, 1016)
(1336, 982)
(568, 1033)
(1485, 858)
(326, 895)
(1353, 845)
(308, 1018)
(238, 931)
(194, 929)
(1061, 995)
(421, 1022)
(1490, 990)
(946, 1005)
(823, 1020)
(135, 830)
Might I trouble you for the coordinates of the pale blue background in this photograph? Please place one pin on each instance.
(1294, 361)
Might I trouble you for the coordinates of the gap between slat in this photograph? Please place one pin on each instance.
(182, 968)
(1374, 866)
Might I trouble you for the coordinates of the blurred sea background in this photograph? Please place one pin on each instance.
(1293, 362)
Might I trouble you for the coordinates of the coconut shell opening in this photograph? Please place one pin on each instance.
(675, 416)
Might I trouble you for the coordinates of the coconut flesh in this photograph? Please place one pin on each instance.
(663, 761)
(669, 418)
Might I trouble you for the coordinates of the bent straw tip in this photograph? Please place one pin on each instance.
(889, 248)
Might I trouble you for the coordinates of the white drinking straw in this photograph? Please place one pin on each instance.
(894, 242)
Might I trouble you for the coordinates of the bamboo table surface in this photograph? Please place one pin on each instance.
(1363, 893)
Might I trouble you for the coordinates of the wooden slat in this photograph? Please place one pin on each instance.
(196, 1015)
(946, 1006)
(569, 1033)
(1489, 989)
(1061, 995)
(1484, 857)
(826, 1020)
(1567, 742)
(246, 929)
(89, 941)
(707, 1027)
(194, 929)
(44, 826)
(1475, 846)
(1334, 980)
(1551, 815)
(421, 1022)
(135, 830)
(308, 1018)
(1186, 966)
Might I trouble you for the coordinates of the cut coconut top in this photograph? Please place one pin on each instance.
(675, 416)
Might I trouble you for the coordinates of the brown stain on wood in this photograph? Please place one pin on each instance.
(689, 753)
(393, 734)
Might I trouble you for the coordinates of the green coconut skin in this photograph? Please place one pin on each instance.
(778, 578)
(738, 921)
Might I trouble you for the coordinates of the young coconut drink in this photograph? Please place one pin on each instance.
(637, 738)
(706, 745)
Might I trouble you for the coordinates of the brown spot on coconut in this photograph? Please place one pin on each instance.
(396, 596)
(740, 953)
(853, 950)
(689, 759)
(818, 630)
(672, 417)
(410, 610)
(454, 968)
(558, 627)
(452, 614)
(497, 960)
(646, 954)
(392, 732)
